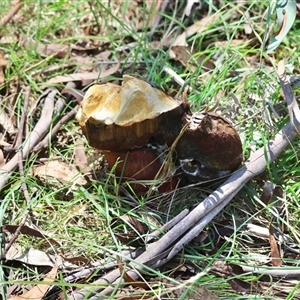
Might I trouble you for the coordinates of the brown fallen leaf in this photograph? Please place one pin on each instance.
(6, 122)
(52, 49)
(190, 60)
(39, 291)
(227, 270)
(131, 236)
(55, 172)
(241, 286)
(134, 222)
(34, 257)
(80, 159)
(130, 239)
(26, 230)
(29, 231)
(90, 76)
(275, 250)
(197, 27)
(84, 49)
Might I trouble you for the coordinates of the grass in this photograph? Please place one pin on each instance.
(87, 222)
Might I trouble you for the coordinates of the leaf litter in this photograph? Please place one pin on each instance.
(35, 137)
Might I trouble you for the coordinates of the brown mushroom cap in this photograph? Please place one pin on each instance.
(212, 143)
(125, 117)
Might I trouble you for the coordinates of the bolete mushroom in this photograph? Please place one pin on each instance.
(139, 123)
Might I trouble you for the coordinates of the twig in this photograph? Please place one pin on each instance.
(114, 274)
(59, 105)
(98, 266)
(271, 271)
(158, 16)
(23, 118)
(168, 225)
(177, 78)
(11, 13)
(70, 115)
(21, 170)
(290, 98)
(37, 133)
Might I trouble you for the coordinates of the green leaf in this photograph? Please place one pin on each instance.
(286, 13)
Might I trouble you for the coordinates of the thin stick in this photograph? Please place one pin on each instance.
(11, 13)
(168, 225)
(114, 274)
(21, 170)
(290, 98)
(23, 118)
(42, 144)
(37, 133)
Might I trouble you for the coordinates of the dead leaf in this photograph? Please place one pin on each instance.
(33, 256)
(83, 63)
(84, 49)
(88, 76)
(30, 256)
(5, 121)
(197, 27)
(29, 231)
(55, 172)
(130, 239)
(8, 39)
(231, 43)
(134, 222)
(275, 255)
(192, 61)
(196, 292)
(227, 270)
(241, 286)
(80, 159)
(39, 291)
(52, 49)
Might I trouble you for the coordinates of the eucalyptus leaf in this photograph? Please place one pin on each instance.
(286, 13)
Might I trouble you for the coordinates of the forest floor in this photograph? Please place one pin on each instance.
(72, 228)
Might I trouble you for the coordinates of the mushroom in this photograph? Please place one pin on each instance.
(139, 124)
